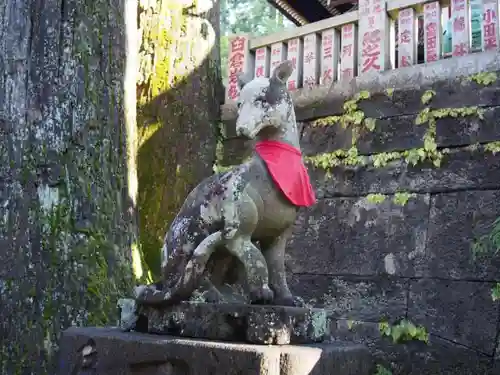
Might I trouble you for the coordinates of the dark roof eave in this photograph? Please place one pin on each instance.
(301, 12)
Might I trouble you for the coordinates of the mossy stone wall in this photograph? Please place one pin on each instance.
(179, 95)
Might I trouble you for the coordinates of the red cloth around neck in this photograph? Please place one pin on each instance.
(285, 165)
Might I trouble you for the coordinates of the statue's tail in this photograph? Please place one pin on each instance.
(188, 281)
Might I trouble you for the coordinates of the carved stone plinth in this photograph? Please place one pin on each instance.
(107, 351)
(232, 322)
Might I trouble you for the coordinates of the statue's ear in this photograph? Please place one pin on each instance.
(243, 79)
(283, 71)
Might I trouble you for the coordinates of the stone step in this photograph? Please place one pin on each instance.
(109, 351)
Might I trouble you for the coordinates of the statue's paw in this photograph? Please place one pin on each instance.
(262, 296)
(230, 232)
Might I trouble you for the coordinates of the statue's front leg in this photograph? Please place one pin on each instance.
(274, 252)
(255, 267)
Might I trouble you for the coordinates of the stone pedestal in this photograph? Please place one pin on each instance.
(235, 322)
(109, 351)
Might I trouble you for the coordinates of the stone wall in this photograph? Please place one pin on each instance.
(391, 235)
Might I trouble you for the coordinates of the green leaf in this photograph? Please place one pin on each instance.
(370, 124)
(427, 96)
(495, 292)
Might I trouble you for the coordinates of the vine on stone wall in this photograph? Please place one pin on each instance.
(403, 331)
(429, 152)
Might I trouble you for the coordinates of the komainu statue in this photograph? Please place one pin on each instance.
(228, 240)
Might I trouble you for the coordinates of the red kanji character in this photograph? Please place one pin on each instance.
(431, 56)
(309, 57)
(460, 49)
(459, 24)
(294, 61)
(431, 29)
(405, 37)
(327, 52)
(489, 16)
(371, 50)
(347, 73)
(490, 43)
(347, 50)
(431, 43)
(328, 75)
(291, 85)
(489, 30)
(236, 61)
(309, 82)
(233, 92)
(238, 44)
(259, 72)
(371, 21)
(404, 61)
(458, 5)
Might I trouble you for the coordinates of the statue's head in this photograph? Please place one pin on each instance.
(264, 102)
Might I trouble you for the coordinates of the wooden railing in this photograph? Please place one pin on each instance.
(381, 35)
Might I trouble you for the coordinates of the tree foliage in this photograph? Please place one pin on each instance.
(255, 17)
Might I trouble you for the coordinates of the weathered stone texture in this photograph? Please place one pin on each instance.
(351, 297)
(460, 311)
(359, 237)
(66, 187)
(118, 353)
(236, 322)
(439, 356)
(456, 220)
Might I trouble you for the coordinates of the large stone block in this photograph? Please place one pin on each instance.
(456, 221)
(390, 134)
(236, 322)
(437, 357)
(366, 299)
(459, 311)
(111, 352)
(461, 169)
(400, 132)
(355, 236)
(469, 130)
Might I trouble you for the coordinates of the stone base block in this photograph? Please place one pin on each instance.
(236, 322)
(109, 351)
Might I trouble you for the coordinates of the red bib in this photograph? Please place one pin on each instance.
(285, 165)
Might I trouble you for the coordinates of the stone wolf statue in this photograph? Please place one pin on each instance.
(212, 242)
